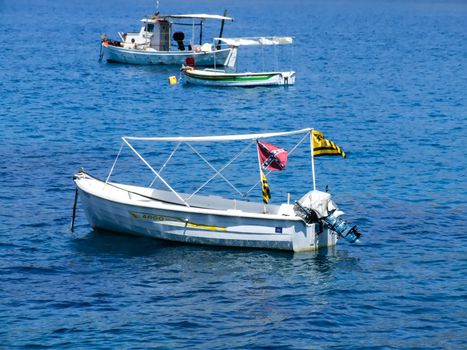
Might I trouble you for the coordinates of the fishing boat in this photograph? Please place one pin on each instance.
(310, 223)
(158, 42)
(229, 75)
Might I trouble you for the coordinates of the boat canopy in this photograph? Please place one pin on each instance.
(253, 138)
(250, 41)
(330, 149)
(200, 16)
(218, 138)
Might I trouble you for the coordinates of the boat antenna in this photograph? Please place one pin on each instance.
(222, 30)
(157, 9)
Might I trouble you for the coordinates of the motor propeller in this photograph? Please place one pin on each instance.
(334, 222)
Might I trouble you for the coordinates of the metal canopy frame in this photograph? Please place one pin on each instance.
(257, 40)
(217, 171)
(201, 17)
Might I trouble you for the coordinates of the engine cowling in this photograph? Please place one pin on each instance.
(318, 206)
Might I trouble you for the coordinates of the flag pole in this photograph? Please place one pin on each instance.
(260, 172)
(259, 160)
(312, 160)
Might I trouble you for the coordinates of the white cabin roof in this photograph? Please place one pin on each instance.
(263, 40)
(201, 16)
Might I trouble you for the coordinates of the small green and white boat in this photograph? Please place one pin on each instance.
(229, 75)
(221, 78)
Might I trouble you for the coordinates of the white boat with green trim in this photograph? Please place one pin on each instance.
(229, 75)
(212, 77)
(312, 222)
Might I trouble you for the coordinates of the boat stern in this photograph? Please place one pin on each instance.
(313, 237)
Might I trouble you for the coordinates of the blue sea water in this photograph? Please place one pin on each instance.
(386, 80)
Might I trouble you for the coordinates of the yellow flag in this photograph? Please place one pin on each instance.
(325, 147)
(265, 188)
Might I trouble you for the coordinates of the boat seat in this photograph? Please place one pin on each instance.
(286, 210)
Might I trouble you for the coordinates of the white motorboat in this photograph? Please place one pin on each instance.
(229, 76)
(310, 223)
(158, 42)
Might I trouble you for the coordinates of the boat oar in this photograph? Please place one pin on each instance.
(74, 210)
(222, 30)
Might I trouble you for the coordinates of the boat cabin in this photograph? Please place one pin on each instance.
(158, 33)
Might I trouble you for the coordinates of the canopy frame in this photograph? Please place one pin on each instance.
(261, 41)
(200, 16)
(257, 40)
(194, 17)
(217, 171)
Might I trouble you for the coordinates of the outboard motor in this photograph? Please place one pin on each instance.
(342, 228)
(178, 37)
(317, 206)
(307, 214)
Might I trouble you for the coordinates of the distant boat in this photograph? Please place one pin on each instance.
(312, 222)
(229, 75)
(221, 78)
(158, 43)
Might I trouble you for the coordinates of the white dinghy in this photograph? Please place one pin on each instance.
(158, 42)
(312, 222)
(230, 77)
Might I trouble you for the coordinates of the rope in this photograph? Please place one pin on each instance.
(74, 210)
(101, 53)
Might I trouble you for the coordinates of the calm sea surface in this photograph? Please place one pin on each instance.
(385, 80)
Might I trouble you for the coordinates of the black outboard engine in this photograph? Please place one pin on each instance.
(178, 37)
(307, 214)
(317, 206)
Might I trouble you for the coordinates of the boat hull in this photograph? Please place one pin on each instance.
(123, 212)
(149, 57)
(212, 78)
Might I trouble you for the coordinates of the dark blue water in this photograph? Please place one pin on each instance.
(386, 80)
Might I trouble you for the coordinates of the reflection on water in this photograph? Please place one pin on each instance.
(382, 79)
(102, 243)
(324, 262)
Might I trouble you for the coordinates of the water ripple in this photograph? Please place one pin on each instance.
(385, 80)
